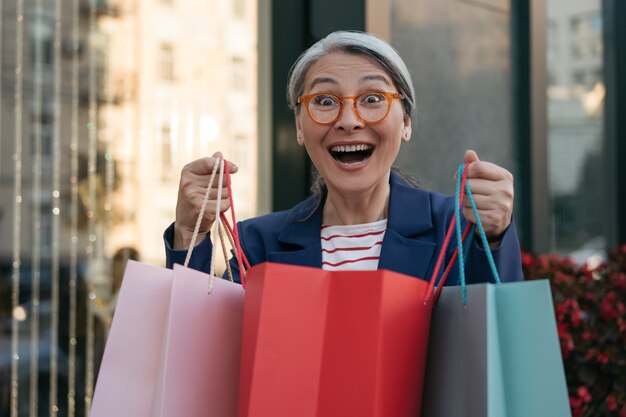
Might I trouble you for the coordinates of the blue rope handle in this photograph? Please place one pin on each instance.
(481, 233)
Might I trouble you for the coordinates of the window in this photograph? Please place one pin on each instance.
(239, 8)
(239, 73)
(166, 152)
(46, 126)
(580, 24)
(575, 136)
(578, 77)
(42, 36)
(166, 62)
(580, 50)
(45, 226)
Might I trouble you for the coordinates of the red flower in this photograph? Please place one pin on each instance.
(589, 296)
(561, 277)
(527, 260)
(611, 403)
(583, 394)
(589, 336)
(575, 402)
(576, 317)
(607, 308)
(590, 308)
(603, 358)
(619, 280)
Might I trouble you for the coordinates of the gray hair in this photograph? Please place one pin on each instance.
(353, 42)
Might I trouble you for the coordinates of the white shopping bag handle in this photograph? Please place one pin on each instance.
(216, 223)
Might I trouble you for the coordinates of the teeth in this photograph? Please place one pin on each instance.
(350, 148)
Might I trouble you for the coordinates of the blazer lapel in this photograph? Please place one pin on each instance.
(409, 216)
(300, 237)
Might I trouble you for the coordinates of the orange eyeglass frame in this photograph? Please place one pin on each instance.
(390, 96)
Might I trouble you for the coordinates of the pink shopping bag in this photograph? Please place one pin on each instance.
(173, 349)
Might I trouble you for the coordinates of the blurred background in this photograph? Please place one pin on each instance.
(104, 101)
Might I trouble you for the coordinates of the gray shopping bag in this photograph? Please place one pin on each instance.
(498, 356)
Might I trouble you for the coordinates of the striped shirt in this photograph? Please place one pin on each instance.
(352, 247)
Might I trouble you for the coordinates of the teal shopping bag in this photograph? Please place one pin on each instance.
(493, 348)
(496, 356)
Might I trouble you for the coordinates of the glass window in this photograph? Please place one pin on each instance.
(239, 8)
(166, 151)
(46, 129)
(575, 132)
(239, 73)
(42, 37)
(166, 62)
(157, 69)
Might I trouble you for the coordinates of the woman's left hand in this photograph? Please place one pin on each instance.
(492, 189)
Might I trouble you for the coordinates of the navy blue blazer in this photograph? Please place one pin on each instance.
(416, 228)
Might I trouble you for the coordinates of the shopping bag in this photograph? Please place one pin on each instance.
(496, 356)
(175, 342)
(322, 343)
(173, 350)
(132, 359)
(493, 348)
(332, 343)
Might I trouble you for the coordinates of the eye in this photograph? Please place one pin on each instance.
(372, 98)
(324, 100)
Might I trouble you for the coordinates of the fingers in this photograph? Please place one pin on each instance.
(488, 171)
(483, 169)
(194, 180)
(492, 189)
(204, 166)
(470, 156)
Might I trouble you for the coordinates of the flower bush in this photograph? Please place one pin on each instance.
(590, 308)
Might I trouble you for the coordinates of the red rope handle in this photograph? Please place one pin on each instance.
(444, 278)
(444, 247)
(241, 257)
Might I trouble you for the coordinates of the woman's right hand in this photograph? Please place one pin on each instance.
(194, 180)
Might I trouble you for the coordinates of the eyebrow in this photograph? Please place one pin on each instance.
(370, 77)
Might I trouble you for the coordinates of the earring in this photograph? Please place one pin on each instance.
(299, 140)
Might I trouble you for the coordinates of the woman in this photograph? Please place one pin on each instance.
(352, 98)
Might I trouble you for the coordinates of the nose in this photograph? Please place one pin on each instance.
(349, 119)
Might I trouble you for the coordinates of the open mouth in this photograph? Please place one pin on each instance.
(351, 154)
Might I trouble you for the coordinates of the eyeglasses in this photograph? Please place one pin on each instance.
(371, 107)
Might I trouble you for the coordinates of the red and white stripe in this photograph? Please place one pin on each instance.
(354, 247)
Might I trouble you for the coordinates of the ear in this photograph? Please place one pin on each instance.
(299, 134)
(406, 134)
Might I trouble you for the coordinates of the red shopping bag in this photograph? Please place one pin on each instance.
(341, 343)
(322, 343)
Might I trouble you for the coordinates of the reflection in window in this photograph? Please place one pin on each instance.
(575, 129)
(45, 226)
(144, 127)
(166, 62)
(239, 73)
(46, 129)
(239, 8)
(42, 36)
(166, 151)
